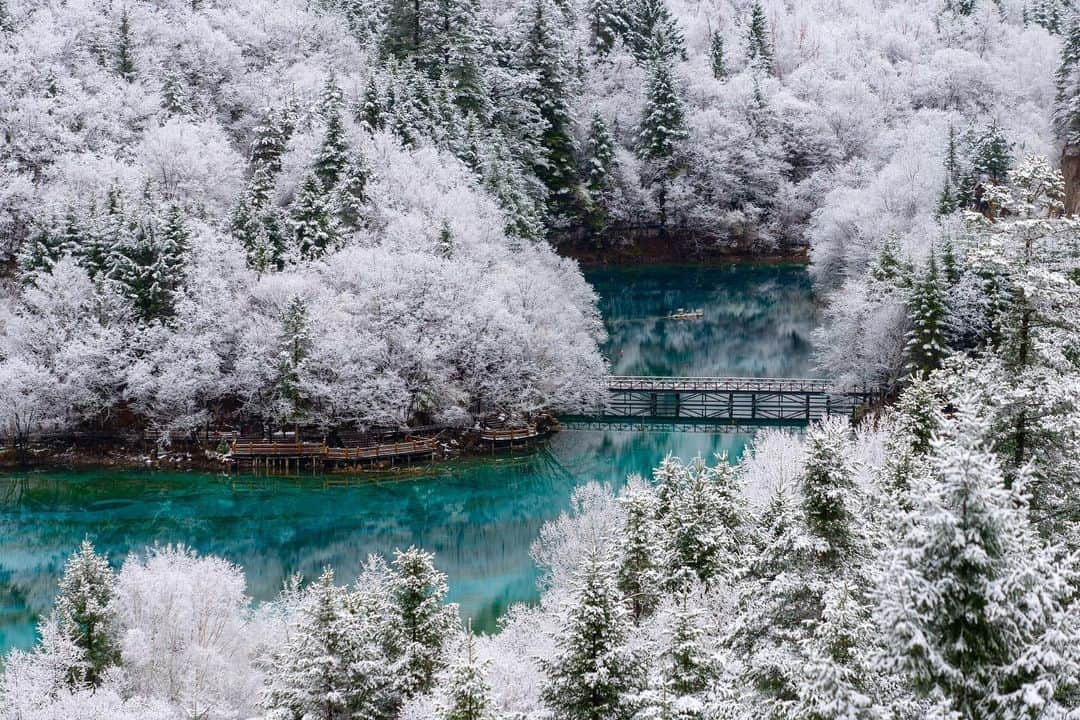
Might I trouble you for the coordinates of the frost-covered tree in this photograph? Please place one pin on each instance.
(655, 34)
(331, 667)
(1067, 104)
(426, 623)
(599, 167)
(84, 616)
(703, 521)
(641, 570)
(759, 51)
(973, 607)
(294, 348)
(607, 24)
(991, 156)
(662, 129)
(174, 95)
(331, 160)
(828, 492)
(594, 673)
(124, 52)
(544, 54)
(311, 219)
(469, 693)
(352, 193)
(717, 61)
(927, 345)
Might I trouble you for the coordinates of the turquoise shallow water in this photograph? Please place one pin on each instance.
(479, 516)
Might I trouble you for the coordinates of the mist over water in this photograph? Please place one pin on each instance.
(479, 516)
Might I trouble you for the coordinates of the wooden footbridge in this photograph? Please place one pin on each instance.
(733, 399)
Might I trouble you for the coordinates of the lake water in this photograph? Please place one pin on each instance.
(479, 516)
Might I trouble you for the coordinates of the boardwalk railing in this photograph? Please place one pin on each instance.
(735, 399)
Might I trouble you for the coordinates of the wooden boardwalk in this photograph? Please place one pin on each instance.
(735, 399)
(279, 455)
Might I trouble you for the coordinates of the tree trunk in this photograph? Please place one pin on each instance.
(1070, 168)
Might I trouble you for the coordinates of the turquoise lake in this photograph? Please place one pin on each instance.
(479, 516)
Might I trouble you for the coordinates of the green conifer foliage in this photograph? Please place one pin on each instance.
(828, 485)
(717, 61)
(593, 674)
(599, 164)
(640, 574)
(469, 691)
(125, 61)
(758, 45)
(294, 346)
(83, 614)
(333, 154)
(314, 230)
(663, 127)
(1067, 102)
(607, 23)
(992, 157)
(926, 343)
(174, 95)
(426, 623)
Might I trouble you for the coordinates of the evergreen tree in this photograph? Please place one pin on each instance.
(39, 253)
(607, 23)
(139, 266)
(973, 608)
(403, 33)
(83, 615)
(594, 672)
(600, 160)
(464, 60)
(758, 46)
(663, 127)
(992, 158)
(544, 54)
(333, 155)
(828, 484)
(703, 522)
(268, 144)
(174, 95)
(716, 55)
(889, 267)
(6, 23)
(950, 268)
(330, 668)
(97, 244)
(444, 242)
(655, 34)
(926, 343)
(71, 238)
(640, 575)
(426, 624)
(174, 250)
(506, 182)
(370, 110)
(469, 692)
(352, 193)
(294, 346)
(690, 667)
(1067, 102)
(314, 231)
(1050, 14)
(125, 61)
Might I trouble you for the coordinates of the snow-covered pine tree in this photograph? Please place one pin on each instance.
(330, 667)
(594, 673)
(136, 264)
(759, 52)
(544, 53)
(991, 156)
(973, 608)
(174, 94)
(7, 24)
(607, 24)
(444, 241)
(507, 183)
(269, 141)
(83, 615)
(312, 222)
(662, 129)
(1067, 101)
(333, 154)
(927, 345)
(352, 193)
(173, 258)
(464, 61)
(1050, 14)
(829, 498)
(125, 60)
(425, 623)
(39, 253)
(469, 693)
(599, 164)
(717, 61)
(703, 522)
(71, 237)
(294, 346)
(640, 573)
(690, 666)
(654, 33)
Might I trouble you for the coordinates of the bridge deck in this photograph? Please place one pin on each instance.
(735, 399)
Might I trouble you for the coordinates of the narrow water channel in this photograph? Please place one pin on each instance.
(479, 516)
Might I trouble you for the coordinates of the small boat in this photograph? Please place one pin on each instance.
(681, 314)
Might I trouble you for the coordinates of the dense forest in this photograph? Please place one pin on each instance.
(347, 213)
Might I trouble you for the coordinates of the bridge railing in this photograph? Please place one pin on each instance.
(648, 383)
